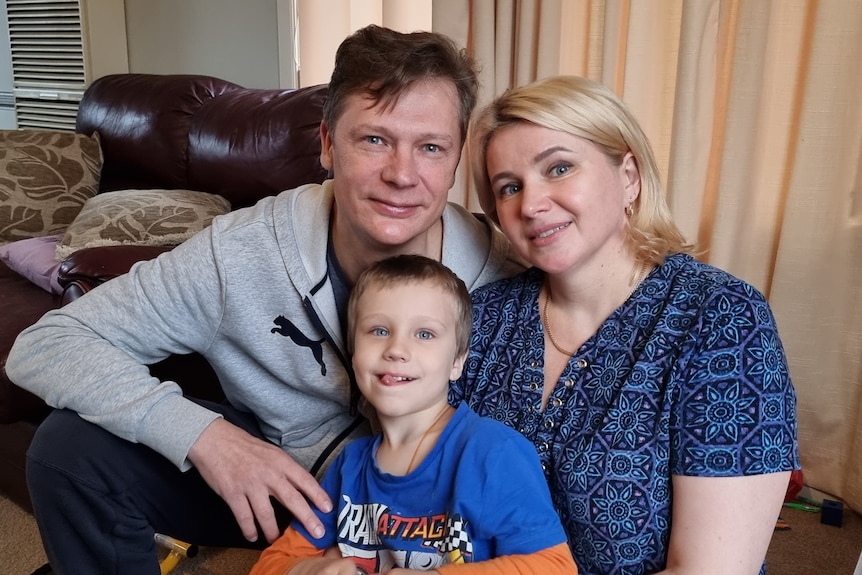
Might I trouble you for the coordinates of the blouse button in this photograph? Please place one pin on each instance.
(558, 402)
(530, 407)
(534, 364)
(582, 363)
(534, 386)
(549, 423)
(570, 382)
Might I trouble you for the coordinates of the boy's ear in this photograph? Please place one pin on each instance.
(458, 367)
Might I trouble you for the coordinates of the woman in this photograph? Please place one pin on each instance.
(654, 387)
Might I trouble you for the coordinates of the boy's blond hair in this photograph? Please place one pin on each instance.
(406, 269)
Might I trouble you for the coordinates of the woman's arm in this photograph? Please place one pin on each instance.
(723, 525)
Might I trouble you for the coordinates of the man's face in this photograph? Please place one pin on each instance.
(393, 167)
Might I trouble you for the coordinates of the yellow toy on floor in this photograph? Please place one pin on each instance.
(177, 550)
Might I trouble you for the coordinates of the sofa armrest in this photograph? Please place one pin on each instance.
(89, 267)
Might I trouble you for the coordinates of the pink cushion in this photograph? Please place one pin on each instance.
(34, 259)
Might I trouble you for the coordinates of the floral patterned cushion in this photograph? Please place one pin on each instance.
(45, 179)
(141, 217)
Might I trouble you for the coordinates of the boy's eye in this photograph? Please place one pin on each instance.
(380, 331)
(425, 334)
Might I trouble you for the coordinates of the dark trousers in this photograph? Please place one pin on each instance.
(99, 499)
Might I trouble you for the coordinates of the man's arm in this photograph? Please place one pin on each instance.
(90, 356)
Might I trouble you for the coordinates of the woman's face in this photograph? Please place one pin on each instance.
(560, 200)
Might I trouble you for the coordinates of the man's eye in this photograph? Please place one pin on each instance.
(380, 331)
(433, 148)
(425, 334)
(374, 140)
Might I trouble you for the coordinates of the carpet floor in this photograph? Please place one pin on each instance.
(806, 547)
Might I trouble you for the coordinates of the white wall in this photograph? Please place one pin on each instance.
(236, 40)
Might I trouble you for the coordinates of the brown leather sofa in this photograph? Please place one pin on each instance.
(169, 132)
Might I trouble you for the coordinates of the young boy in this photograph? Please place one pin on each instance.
(439, 486)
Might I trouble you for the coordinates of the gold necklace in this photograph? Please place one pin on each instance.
(547, 323)
(424, 435)
(642, 273)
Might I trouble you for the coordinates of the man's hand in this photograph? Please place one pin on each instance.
(245, 471)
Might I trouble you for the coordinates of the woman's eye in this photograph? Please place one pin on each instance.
(380, 331)
(425, 334)
(560, 169)
(509, 189)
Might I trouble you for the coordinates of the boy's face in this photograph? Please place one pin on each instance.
(405, 348)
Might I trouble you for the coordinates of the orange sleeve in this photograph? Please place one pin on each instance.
(284, 553)
(556, 560)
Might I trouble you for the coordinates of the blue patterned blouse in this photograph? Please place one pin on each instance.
(687, 377)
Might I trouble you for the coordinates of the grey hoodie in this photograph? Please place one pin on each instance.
(251, 294)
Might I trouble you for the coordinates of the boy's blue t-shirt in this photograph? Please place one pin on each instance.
(479, 494)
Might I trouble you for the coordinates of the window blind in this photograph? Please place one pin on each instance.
(48, 65)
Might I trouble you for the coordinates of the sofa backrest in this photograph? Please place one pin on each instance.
(202, 133)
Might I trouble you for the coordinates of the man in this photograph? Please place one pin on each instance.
(262, 295)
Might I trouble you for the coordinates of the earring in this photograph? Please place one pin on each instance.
(630, 210)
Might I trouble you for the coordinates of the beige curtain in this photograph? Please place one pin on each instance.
(754, 108)
(323, 24)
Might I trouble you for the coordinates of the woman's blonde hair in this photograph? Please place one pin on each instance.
(588, 110)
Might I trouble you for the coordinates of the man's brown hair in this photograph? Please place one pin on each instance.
(381, 63)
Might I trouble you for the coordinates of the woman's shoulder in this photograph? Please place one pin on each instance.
(685, 273)
(526, 282)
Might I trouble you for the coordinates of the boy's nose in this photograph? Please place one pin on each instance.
(396, 350)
